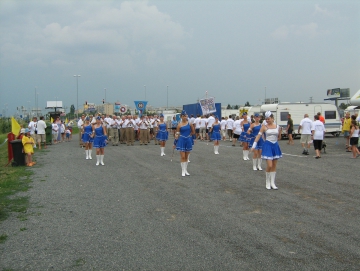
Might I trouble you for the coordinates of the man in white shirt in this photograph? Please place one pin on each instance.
(80, 123)
(318, 131)
(129, 125)
(113, 130)
(41, 138)
(305, 126)
(197, 126)
(209, 124)
(229, 127)
(32, 128)
(223, 128)
(122, 130)
(154, 123)
(203, 128)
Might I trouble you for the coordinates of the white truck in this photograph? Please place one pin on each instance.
(298, 110)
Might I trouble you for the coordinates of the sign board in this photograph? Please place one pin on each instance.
(53, 104)
(207, 105)
(89, 107)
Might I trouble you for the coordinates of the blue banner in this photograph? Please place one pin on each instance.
(140, 106)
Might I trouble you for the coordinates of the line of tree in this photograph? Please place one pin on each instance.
(237, 106)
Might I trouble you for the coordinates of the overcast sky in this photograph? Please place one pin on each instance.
(231, 49)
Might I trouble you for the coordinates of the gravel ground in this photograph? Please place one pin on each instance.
(138, 213)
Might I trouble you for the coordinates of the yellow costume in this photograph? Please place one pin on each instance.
(346, 125)
(28, 148)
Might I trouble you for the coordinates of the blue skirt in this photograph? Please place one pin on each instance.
(215, 136)
(245, 137)
(271, 151)
(100, 141)
(259, 145)
(86, 138)
(162, 135)
(184, 144)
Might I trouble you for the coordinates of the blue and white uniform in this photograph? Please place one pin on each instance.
(100, 138)
(270, 148)
(162, 133)
(255, 132)
(86, 137)
(185, 140)
(215, 135)
(244, 137)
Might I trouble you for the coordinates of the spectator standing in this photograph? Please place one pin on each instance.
(41, 137)
(321, 117)
(305, 126)
(354, 138)
(28, 143)
(317, 135)
(33, 129)
(346, 131)
(290, 129)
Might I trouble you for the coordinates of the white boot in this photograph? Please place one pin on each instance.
(87, 154)
(268, 180)
(182, 169)
(102, 160)
(90, 151)
(259, 160)
(254, 164)
(244, 157)
(186, 172)
(247, 155)
(272, 180)
(97, 159)
(163, 151)
(215, 149)
(189, 158)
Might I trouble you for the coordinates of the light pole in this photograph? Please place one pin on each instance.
(167, 97)
(77, 95)
(35, 102)
(145, 92)
(105, 95)
(265, 96)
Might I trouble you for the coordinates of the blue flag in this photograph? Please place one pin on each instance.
(140, 106)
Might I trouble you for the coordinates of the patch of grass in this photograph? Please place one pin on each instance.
(12, 181)
(23, 229)
(42, 180)
(3, 238)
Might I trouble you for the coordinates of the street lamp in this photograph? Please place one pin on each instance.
(77, 95)
(145, 92)
(35, 102)
(167, 97)
(105, 95)
(265, 95)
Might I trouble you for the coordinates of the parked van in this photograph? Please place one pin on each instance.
(298, 110)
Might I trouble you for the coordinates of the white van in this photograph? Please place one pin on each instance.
(298, 110)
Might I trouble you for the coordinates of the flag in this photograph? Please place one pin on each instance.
(15, 126)
(140, 106)
(66, 121)
(51, 120)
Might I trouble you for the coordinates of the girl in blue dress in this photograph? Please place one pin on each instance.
(184, 132)
(253, 131)
(215, 134)
(87, 137)
(162, 134)
(244, 137)
(100, 140)
(270, 150)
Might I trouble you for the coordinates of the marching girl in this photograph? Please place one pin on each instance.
(184, 132)
(162, 134)
(254, 131)
(244, 138)
(86, 137)
(270, 151)
(100, 140)
(215, 134)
